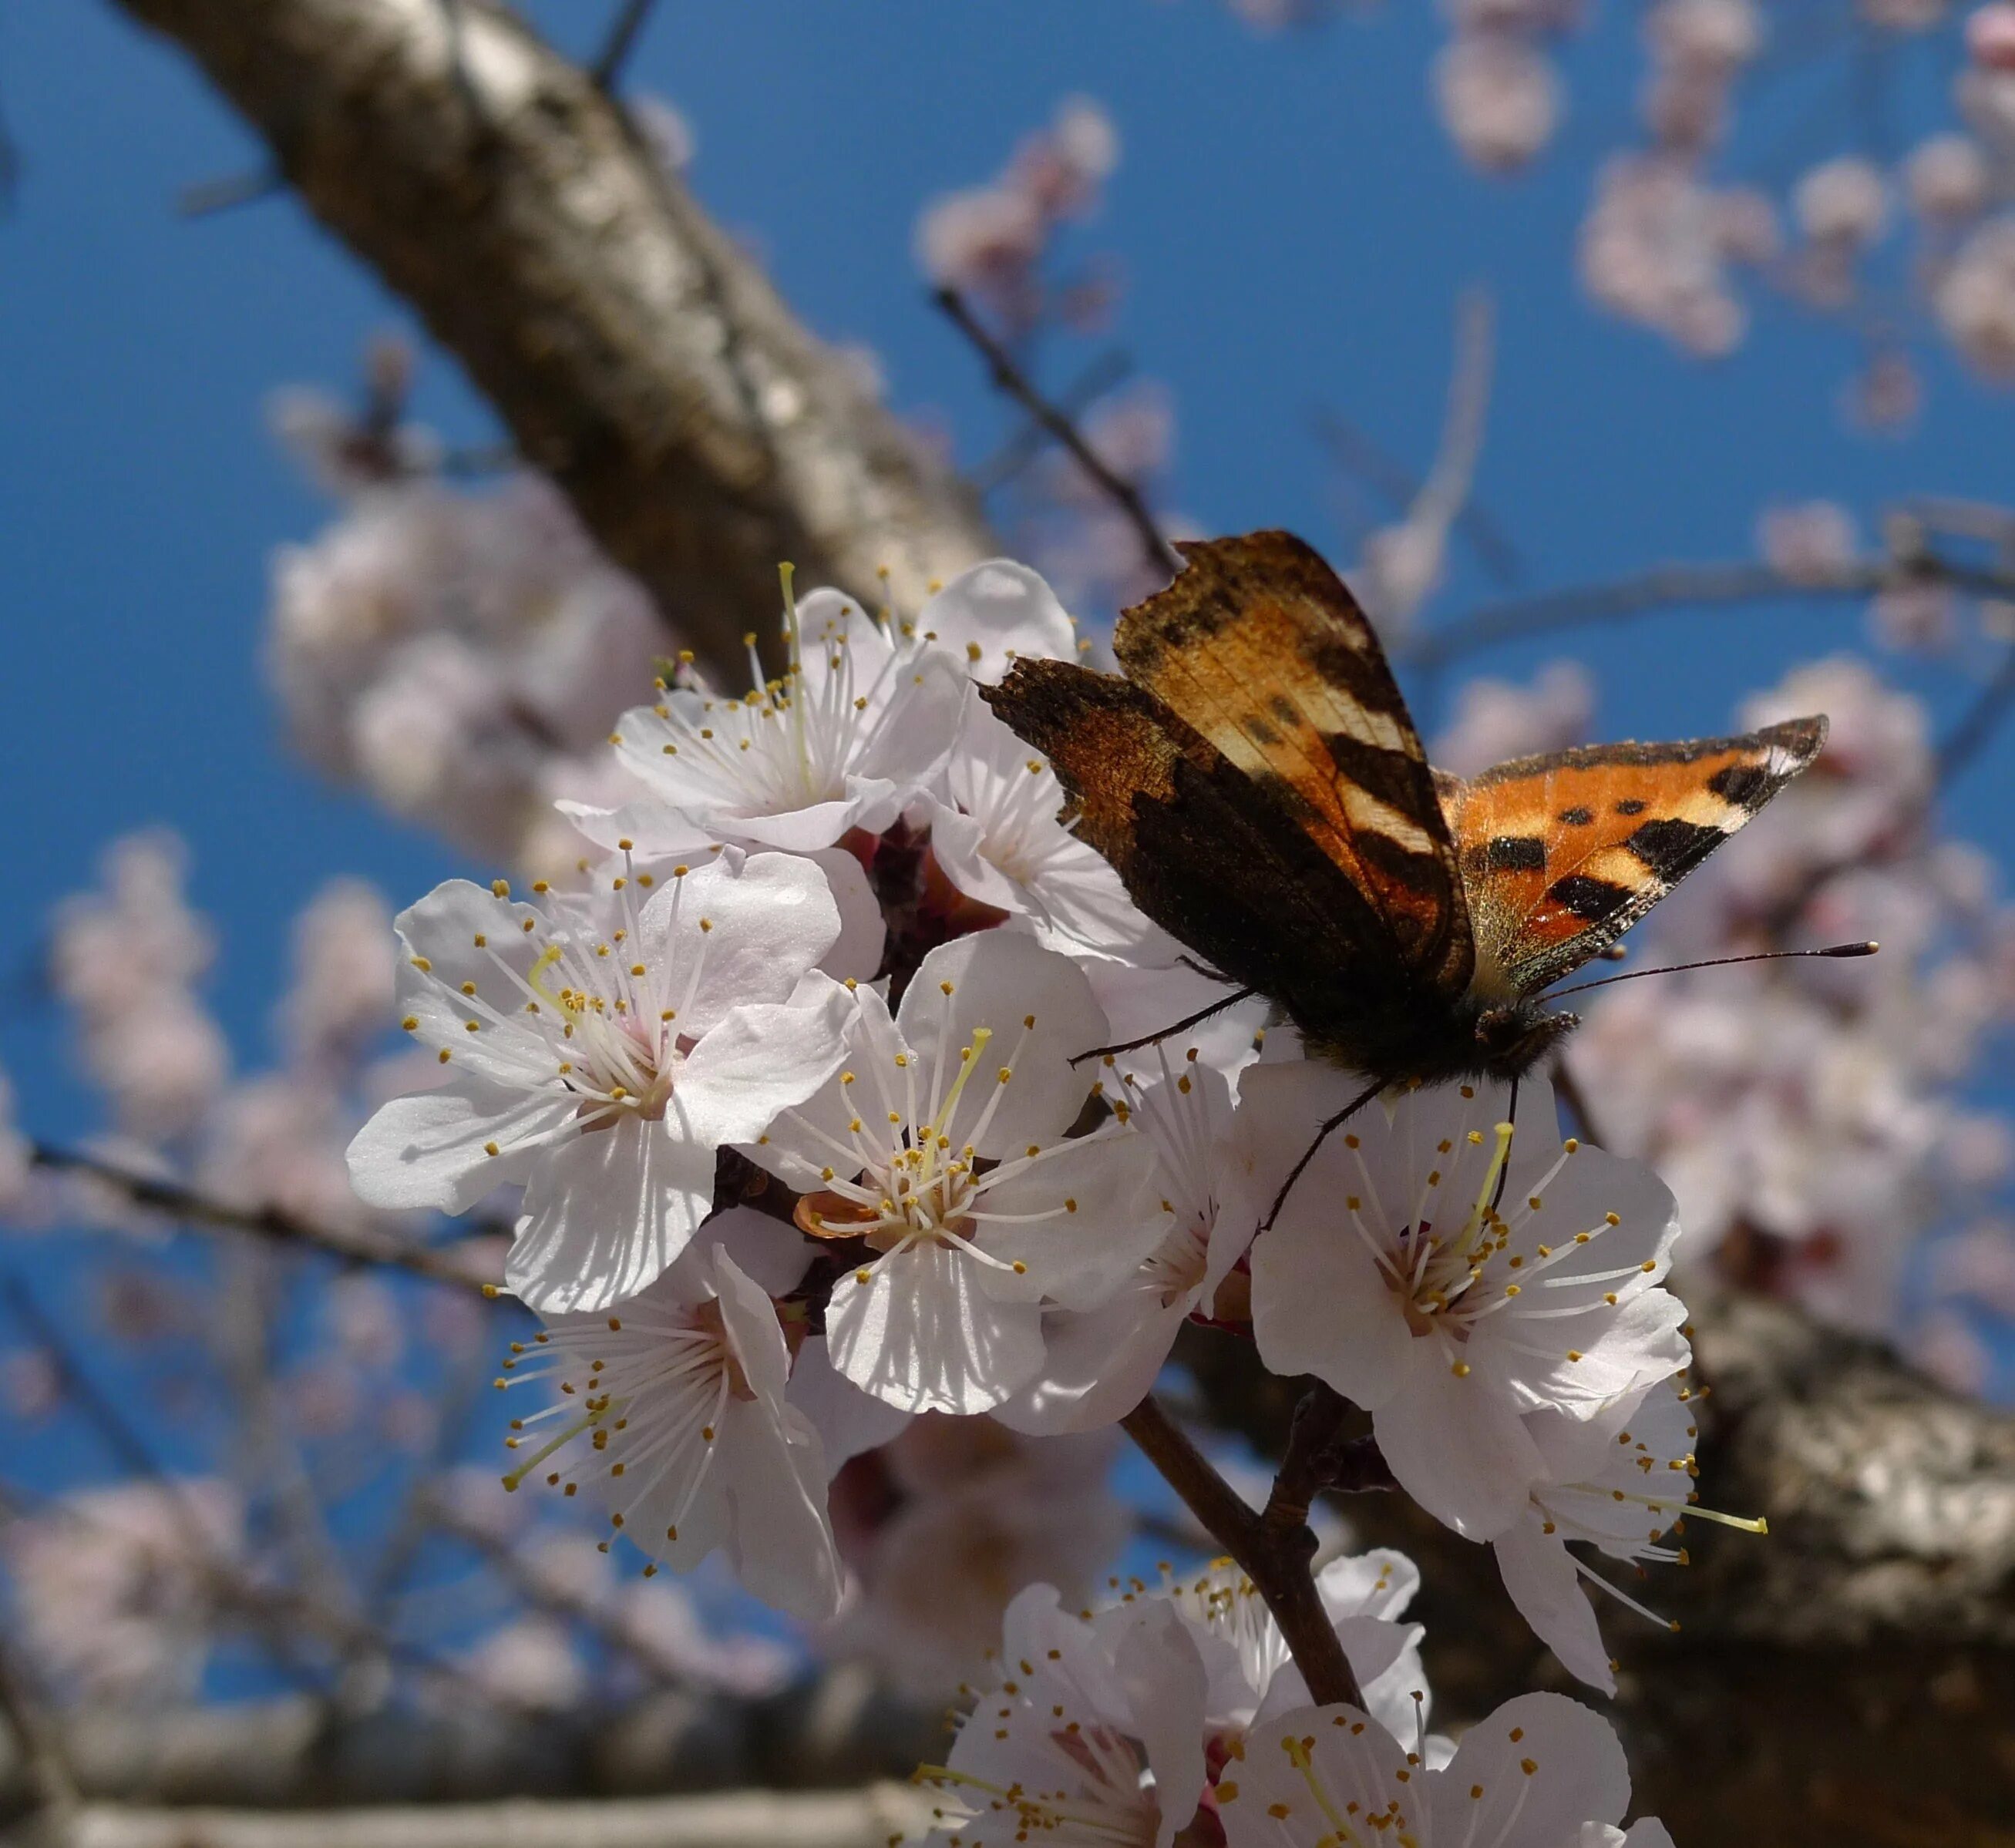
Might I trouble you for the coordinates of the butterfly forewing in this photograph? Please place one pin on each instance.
(1199, 847)
(1262, 650)
(1560, 854)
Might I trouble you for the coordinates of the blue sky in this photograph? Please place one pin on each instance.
(1295, 231)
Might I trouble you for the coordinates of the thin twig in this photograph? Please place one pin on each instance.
(1009, 378)
(1976, 726)
(1021, 449)
(1354, 452)
(185, 1204)
(1275, 1549)
(606, 69)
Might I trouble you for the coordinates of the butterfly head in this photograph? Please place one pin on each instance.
(1511, 1039)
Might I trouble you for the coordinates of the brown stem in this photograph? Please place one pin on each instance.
(275, 1227)
(1273, 1549)
(1009, 378)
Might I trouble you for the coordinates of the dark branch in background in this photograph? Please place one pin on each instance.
(635, 353)
(1357, 455)
(607, 69)
(1274, 1548)
(1976, 726)
(1108, 370)
(1009, 378)
(185, 1203)
(1664, 586)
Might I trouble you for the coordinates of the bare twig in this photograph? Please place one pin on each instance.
(1108, 370)
(185, 1204)
(1008, 377)
(1275, 1549)
(1355, 452)
(1976, 726)
(607, 69)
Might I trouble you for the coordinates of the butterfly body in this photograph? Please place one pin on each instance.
(1257, 784)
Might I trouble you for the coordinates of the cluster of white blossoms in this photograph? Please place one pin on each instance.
(1176, 1714)
(804, 1113)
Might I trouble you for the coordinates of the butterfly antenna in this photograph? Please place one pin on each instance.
(1322, 1134)
(1867, 948)
(1181, 1026)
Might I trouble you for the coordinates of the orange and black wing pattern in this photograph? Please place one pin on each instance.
(1561, 854)
(1262, 651)
(1203, 851)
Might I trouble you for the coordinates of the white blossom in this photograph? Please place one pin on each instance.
(674, 1410)
(1099, 1364)
(953, 1518)
(1090, 1736)
(943, 1148)
(1620, 1481)
(998, 840)
(1451, 1272)
(606, 1045)
(1252, 1675)
(1542, 1772)
(853, 729)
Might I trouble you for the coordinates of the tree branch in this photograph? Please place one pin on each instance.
(185, 1203)
(1274, 1548)
(1009, 377)
(637, 355)
(1666, 586)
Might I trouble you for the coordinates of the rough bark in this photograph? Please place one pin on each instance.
(636, 353)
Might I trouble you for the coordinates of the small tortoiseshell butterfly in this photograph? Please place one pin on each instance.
(1257, 783)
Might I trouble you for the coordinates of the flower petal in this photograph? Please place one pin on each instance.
(1576, 1776)
(760, 1062)
(1539, 1573)
(604, 1215)
(750, 926)
(431, 1149)
(917, 1332)
(1456, 1446)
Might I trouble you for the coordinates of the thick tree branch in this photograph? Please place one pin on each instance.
(637, 355)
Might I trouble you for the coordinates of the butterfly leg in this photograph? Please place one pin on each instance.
(1308, 1154)
(1181, 1026)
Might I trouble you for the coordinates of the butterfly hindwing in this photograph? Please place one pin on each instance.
(1561, 854)
(1260, 649)
(1200, 848)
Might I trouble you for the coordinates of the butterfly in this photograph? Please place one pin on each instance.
(1257, 783)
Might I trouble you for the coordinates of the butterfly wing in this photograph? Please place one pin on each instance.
(1561, 854)
(1262, 652)
(1202, 849)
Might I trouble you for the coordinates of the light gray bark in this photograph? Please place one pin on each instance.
(635, 353)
